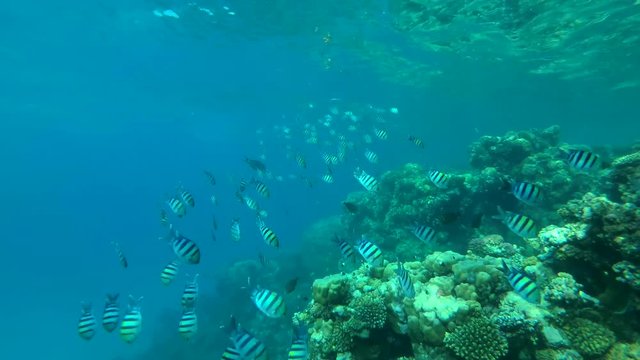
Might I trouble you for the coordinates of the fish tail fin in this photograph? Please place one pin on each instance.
(505, 267)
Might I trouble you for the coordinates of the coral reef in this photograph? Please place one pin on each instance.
(477, 339)
(589, 338)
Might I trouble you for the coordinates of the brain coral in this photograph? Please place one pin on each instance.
(477, 339)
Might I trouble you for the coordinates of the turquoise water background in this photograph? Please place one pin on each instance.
(104, 108)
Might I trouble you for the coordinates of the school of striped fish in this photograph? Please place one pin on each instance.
(336, 144)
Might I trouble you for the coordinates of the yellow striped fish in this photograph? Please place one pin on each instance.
(367, 181)
(369, 251)
(230, 353)
(268, 235)
(520, 225)
(247, 345)
(186, 197)
(169, 273)
(269, 302)
(439, 179)
(190, 293)
(299, 349)
(131, 324)
(188, 325)
(86, 323)
(184, 248)
(262, 189)
(235, 229)
(177, 207)
(111, 313)
(123, 259)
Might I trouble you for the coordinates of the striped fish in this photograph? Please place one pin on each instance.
(299, 349)
(186, 197)
(190, 293)
(235, 229)
(424, 233)
(416, 141)
(121, 257)
(164, 219)
(528, 193)
(328, 178)
(268, 235)
(230, 353)
(520, 225)
(583, 160)
(522, 284)
(86, 323)
(131, 324)
(405, 281)
(250, 202)
(439, 179)
(210, 177)
(184, 248)
(369, 251)
(262, 189)
(243, 185)
(381, 134)
(269, 302)
(366, 180)
(169, 273)
(371, 156)
(302, 162)
(247, 345)
(111, 313)
(177, 207)
(188, 324)
(345, 249)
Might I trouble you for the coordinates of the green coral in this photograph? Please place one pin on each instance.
(589, 338)
(477, 339)
(624, 352)
(370, 312)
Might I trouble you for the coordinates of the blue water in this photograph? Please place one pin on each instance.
(105, 108)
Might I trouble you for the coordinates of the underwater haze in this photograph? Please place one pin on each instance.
(366, 121)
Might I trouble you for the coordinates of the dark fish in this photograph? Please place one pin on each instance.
(256, 165)
(450, 217)
(290, 286)
(210, 177)
(476, 220)
(522, 284)
(351, 207)
(213, 236)
(214, 222)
